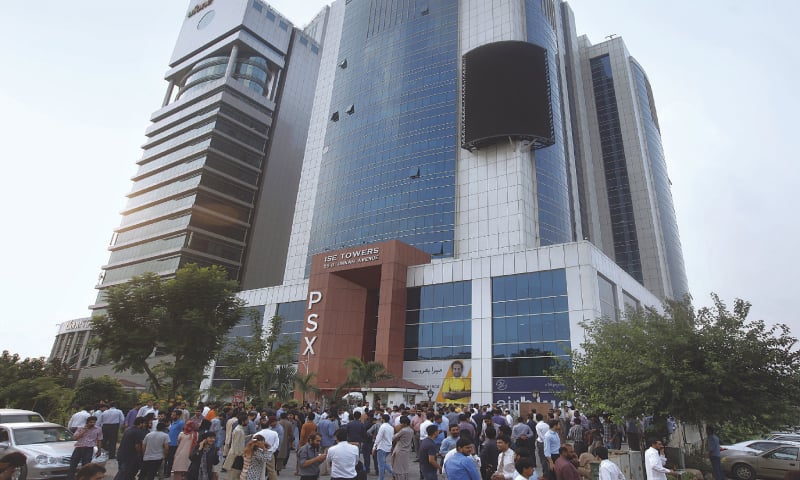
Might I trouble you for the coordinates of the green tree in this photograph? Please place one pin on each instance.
(707, 366)
(278, 382)
(34, 384)
(186, 317)
(362, 374)
(126, 333)
(749, 364)
(263, 361)
(91, 390)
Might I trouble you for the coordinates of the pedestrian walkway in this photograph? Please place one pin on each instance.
(286, 474)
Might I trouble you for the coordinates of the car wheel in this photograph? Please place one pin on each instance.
(21, 473)
(743, 472)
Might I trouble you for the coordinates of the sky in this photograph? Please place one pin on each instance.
(81, 79)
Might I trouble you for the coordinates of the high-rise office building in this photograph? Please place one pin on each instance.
(224, 151)
(478, 180)
(472, 181)
(630, 189)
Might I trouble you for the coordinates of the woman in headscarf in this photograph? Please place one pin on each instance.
(187, 440)
(203, 458)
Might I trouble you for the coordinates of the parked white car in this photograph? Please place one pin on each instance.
(12, 415)
(47, 446)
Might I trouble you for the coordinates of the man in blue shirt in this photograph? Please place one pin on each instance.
(175, 428)
(327, 428)
(440, 424)
(552, 442)
(714, 454)
(130, 418)
(461, 466)
(451, 441)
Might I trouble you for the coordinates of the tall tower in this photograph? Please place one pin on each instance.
(384, 159)
(626, 187)
(219, 172)
(455, 174)
(475, 181)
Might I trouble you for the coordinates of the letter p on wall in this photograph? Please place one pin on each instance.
(314, 297)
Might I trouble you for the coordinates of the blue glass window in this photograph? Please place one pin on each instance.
(439, 322)
(661, 183)
(530, 322)
(242, 329)
(555, 217)
(402, 71)
(623, 224)
(293, 316)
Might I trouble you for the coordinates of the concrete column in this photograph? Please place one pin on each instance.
(168, 95)
(482, 375)
(232, 62)
(273, 86)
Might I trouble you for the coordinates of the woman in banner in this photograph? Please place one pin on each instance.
(456, 388)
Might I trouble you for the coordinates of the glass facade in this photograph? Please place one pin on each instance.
(242, 329)
(252, 70)
(439, 322)
(189, 201)
(201, 188)
(552, 191)
(530, 323)
(623, 224)
(204, 71)
(388, 171)
(293, 315)
(661, 184)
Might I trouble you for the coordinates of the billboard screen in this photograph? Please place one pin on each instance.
(506, 93)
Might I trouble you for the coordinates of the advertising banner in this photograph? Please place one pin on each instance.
(450, 381)
(513, 390)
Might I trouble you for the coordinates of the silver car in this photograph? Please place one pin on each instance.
(47, 446)
(754, 446)
(770, 464)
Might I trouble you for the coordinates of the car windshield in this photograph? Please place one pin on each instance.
(29, 436)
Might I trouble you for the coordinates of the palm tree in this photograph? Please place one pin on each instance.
(278, 381)
(363, 373)
(305, 384)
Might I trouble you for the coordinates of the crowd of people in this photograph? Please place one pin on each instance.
(464, 442)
